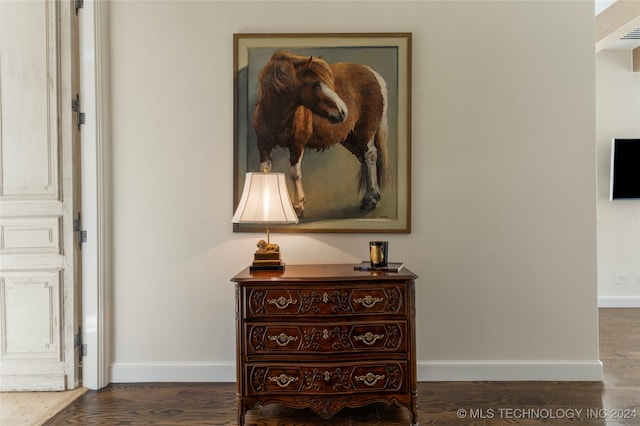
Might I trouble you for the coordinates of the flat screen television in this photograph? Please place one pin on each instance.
(625, 169)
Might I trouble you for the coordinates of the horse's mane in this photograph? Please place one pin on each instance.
(285, 69)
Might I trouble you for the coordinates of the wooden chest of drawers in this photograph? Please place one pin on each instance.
(325, 337)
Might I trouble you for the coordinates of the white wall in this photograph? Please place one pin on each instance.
(504, 206)
(618, 116)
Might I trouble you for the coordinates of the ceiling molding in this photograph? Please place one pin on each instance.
(616, 21)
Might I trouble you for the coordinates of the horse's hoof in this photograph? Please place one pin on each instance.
(299, 212)
(370, 201)
(368, 204)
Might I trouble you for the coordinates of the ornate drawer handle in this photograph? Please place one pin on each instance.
(368, 301)
(369, 338)
(370, 379)
(282, 302)
(282, 339)
(283, 380)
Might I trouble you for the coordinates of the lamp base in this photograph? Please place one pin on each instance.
(267, 261)
(260, 267)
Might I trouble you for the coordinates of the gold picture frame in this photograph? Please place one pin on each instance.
(333, 202)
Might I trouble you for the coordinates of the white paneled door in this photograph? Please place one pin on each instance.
(39, 196)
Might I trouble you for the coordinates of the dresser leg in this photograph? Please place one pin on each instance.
(414, 411)
(241, 412)
(414, 419)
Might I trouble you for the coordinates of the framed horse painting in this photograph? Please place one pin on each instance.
(333, 112)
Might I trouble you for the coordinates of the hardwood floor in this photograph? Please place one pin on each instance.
(616, 401)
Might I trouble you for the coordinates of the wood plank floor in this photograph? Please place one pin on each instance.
(616, 401)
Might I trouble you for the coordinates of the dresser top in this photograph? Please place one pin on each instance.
(322, 272)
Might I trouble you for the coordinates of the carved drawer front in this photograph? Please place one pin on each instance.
(326, 379)
(327, 338)
(377, 299)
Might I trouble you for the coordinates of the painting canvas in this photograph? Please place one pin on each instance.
(343, 135)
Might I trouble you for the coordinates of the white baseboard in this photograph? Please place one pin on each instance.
(619, 301)
(428, 371)
(175, 372)
(445, 371)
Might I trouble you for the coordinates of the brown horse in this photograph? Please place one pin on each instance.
(303, 102)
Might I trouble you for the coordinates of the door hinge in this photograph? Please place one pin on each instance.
(77, 341)
(79, 4)
(77, 227)
(75, 107)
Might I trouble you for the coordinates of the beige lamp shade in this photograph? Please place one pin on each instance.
(265, 199)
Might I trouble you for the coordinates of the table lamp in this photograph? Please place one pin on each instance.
(265, 199)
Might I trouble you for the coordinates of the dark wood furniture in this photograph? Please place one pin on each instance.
(325, 337)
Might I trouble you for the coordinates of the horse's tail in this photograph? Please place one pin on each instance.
(381, 136)
(380, 143)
